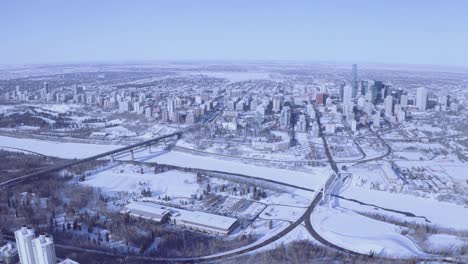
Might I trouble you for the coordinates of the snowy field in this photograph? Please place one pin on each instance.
(280, 212)
(314, 180)
(56, 149)
(361, 234)
(439, 213)
(128, 178)
(445, 242)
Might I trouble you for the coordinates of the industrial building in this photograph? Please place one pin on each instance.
(148, 211)
(193, 220)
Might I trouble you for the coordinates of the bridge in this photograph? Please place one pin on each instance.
(110, 154)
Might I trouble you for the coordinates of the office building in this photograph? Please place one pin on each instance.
(421, 98)
(347, 94)
(388, 102)
(285, 117)
(277, 100)
(354, 81)
(404, 100)
(301, 125)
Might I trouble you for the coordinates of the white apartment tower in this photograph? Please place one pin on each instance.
(24, 238)
(421, 98)
(44, 250)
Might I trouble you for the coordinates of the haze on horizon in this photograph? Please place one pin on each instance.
(402, 32)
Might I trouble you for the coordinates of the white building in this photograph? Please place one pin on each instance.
(310, 111)
(137, 108)
(231, 126)
(347, 94)
(124, 106)
(270, 146)
(401, 116)
(388, 102)
(8, 253)
(147, 211)
(421, 98)
(443, 99)
(376, 120)
(193, 220)
(44, 250)
(277, 100)
(348, 108)
(454, 107)
(198, 99)
(361, 101)
(148, 111)
(315, 130)
(301, 125)
(24, 238)
(170, 108)
(285, 117)
(205, 222)
(353, 125)
(404, 100)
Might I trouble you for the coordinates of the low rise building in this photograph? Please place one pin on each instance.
(193, 220)
(205, 222)
(8, 254)
(148, 211)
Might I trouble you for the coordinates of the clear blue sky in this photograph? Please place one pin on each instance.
(394, 31)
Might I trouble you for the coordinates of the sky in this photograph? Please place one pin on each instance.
(432, 32)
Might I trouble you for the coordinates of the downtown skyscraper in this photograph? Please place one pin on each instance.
(354, 80)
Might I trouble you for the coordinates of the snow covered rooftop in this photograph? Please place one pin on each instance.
(207, 219)
(146, 210)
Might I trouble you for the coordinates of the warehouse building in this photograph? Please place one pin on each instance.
(148, 211)
(193, 220)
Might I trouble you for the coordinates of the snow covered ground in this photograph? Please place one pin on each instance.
(445, 242)
(281, 212)
(129, 178)
(439, 213)
(118, 131)
(57, 149)
(361, 234)
(313, 180)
